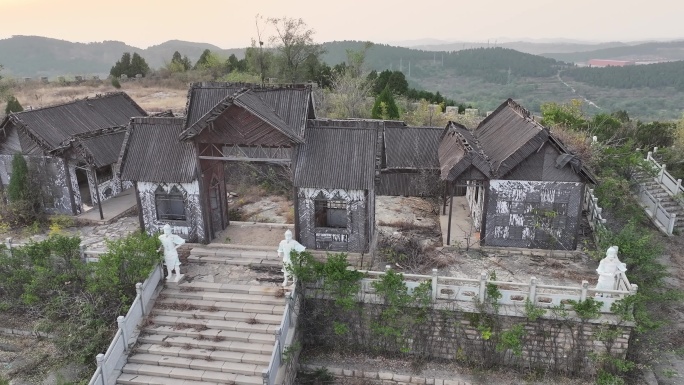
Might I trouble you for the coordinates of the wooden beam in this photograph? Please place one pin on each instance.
(245, 159)
(451, 206)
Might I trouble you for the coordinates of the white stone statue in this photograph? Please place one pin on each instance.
(608, 270)
(284, 248)
(170, 243)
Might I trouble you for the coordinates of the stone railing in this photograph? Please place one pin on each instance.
(596, 220)
(467, 290)
(672, 186)
(87, 254)
(283, 364)
(110, 363)
(664, 219)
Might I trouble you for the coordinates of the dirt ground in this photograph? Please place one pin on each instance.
(241, 233)
(399, 218)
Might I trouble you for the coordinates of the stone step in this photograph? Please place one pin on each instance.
(270, 319)
(192, 353)
(191, 343)
(228, 288)
(215, 335)
(241, 261)
(171, 373)
(265, 296)
(252, 326)
(204, 363)
(137, 379)
(186, 304)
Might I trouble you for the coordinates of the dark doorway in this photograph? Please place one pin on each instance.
(215, 204)
(84, 188)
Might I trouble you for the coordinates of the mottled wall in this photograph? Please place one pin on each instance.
(51, 175)
(475, 197)
(191, 229)
(354, 238)
(536, 215)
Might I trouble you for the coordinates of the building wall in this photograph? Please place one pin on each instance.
(354, 238)
(475, 197)
(422, 183)
(51, 175)
(536, 215)
(192, 229)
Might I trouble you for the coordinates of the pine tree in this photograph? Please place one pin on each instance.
(18, 188)
(13, 105)
(385, 107)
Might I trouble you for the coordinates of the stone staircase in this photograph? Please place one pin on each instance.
(216, 328)
(666, 200)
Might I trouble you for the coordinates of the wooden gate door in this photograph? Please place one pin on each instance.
(215, 207)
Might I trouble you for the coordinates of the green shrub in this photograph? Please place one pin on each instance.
(116, 83)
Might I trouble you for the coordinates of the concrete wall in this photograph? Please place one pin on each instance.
(537, 215)
(192, 229)
(51, 176)
(354, 238)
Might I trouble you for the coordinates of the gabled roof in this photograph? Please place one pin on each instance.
(151, 152)
(502, 141)
(338, 154)
(508, 136)
(458, 150)
(51, 126)
(247, 99)
(411, 147)
(293, 104)
(99, 148)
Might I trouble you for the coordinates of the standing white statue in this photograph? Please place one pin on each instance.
(170, 243)
(284, 248)
(608, 270)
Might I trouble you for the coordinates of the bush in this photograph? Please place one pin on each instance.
(116, 83)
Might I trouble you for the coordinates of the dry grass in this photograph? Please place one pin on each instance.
(403, 225)
(183, 325)
(189, 289)
(253, 321)
(280, 293)
(151, 95)
(177, 306)
(218, 338)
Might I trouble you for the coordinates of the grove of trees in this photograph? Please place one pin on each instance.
(130, 66)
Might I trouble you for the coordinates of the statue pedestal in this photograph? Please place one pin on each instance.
(175, 278)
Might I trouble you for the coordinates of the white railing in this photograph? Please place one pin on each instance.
(664, 220)
(451, 289)
(672, 186)
(109, 364)
(277, 357)
(87, 254)
(596, 220)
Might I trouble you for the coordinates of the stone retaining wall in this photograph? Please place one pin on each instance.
(561, 344)
(383, 378)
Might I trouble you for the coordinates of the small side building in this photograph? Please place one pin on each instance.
(164, 171)
(524, 188)
(336, 171)
(71, 147)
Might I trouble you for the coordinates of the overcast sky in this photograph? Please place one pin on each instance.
(230, 24)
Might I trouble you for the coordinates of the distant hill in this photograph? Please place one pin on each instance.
(495, 65)
(534, 48)
(660, 75)
(33, 56)
(673, 50)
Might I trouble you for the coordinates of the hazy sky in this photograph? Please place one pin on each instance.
(229, 23)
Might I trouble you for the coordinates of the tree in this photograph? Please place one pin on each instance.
(259, 61)
(138, 66)
(13, 105)
(122, 66)
(349, 91)
(294, 44)
(385, 107)
(19, 187)
(212, 63)
(179, 63)
(130, 66)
